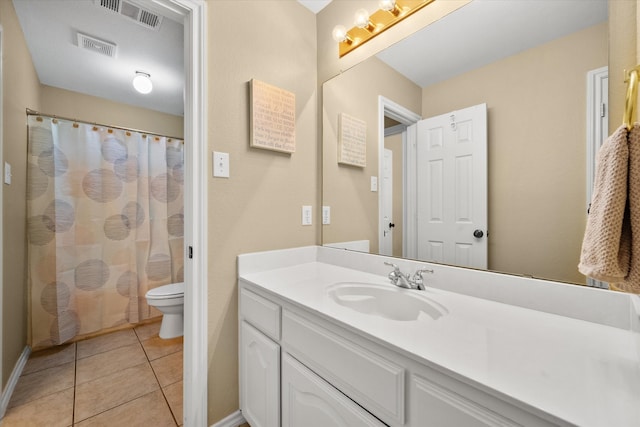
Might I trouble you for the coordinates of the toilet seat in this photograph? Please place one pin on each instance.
(171, 290)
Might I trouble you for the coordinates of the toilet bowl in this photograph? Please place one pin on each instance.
(169, 299)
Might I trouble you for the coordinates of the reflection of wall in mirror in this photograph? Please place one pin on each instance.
(537, 150)
(354, 208)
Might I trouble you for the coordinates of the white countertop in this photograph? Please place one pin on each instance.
(580, 372)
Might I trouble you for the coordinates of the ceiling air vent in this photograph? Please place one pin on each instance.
(142, 16)
(96, 45)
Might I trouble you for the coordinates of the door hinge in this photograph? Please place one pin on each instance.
(190, 252)
(603, 109)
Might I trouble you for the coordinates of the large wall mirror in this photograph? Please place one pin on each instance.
(539, 71)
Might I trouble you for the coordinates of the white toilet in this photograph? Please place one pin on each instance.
(169, 299)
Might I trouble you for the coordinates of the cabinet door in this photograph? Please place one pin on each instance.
(308, 400)
(259, 378)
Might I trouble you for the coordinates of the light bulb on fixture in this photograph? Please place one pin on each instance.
(362, 20)
(142, 82)
(340, 34)
(390, 6)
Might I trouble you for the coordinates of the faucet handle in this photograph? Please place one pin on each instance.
(394, 275)
(418, 280)
(418, 274)
(395, 267)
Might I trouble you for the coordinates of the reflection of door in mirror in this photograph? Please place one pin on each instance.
(451, 184)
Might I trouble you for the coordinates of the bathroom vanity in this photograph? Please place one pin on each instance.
(326, 339)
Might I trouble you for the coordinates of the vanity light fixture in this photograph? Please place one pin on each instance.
(142, 82)
(368, 26)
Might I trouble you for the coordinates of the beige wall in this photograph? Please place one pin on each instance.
(259, 206)
(346, 189)
(91, 109)
(20, 89)
(537, 152)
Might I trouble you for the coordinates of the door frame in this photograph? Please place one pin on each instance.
(195, 209)
(397, 112)
(596, 80)
(1, 198)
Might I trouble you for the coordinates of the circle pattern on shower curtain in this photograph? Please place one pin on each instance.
(91, 274)
(55, 297)
(40, 140)
(113, 150)
(65, 326)
(102, 185)
(178, 173)
(38, 232)
(164, 188)
(133, 215)
(59, 216)
(126, 281)
(127, 169)
(174, 157)
(175, 225)
(38, 182)
(53, 162)
(159, 267)
(115, 227)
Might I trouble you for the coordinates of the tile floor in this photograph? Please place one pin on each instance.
(129, 377)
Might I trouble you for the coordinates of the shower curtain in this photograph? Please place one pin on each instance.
(105, 225)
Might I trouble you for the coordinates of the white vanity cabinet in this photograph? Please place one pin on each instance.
(298, 369)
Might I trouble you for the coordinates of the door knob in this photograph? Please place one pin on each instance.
(478, 234)
(391, 225)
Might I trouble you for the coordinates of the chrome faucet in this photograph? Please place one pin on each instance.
(403, 280)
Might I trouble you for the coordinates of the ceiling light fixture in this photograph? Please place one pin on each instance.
(142, 82)
(368, 26)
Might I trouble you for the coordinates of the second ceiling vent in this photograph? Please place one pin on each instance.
(142, 16)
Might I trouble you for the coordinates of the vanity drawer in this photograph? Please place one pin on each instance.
(373, 382)
(260, 312)
(306, 397)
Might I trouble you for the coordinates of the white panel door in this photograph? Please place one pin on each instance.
(259, 378)
(451, 188)
(308, 400)
(386, 193)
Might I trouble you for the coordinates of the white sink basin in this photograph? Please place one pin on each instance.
(387, 301)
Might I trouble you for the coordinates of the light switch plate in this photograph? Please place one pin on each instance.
(306, 215)
(374, 183)
(220, 164)
(326, 215)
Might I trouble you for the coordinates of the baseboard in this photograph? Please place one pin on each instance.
(13, 380)
(233, 420)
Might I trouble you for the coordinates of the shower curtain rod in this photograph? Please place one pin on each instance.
(31, 112)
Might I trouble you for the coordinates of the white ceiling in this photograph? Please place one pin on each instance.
(51, 27)
(485, 31)
(314, 6)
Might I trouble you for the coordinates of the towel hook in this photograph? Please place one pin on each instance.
(631, 78)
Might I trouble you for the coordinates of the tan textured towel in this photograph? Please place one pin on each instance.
(611, 246)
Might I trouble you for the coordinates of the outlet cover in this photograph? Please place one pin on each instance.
(326, 215)
(306, 215)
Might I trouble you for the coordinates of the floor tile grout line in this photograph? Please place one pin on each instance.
(161, 389)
